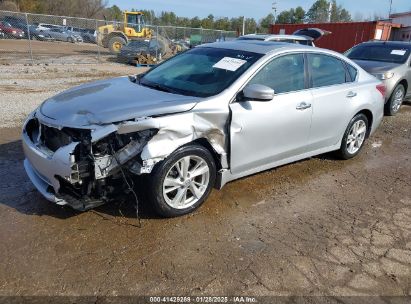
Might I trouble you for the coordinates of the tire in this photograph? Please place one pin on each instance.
(393, 104)
(69, 39)
(115, 44)
(353, 140)
(165, 196)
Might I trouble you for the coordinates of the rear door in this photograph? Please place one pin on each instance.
(334, 94)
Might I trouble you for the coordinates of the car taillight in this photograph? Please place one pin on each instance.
(382, 89)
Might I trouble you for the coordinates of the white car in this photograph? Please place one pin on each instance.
(303, 36)
(47, 27)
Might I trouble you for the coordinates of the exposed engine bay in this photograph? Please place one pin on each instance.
(93, 166)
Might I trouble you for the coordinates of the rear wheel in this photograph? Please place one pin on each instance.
(183, 181)
(115, 44)
(394, 103)
(354, 137)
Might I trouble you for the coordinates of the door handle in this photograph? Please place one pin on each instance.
(237, 128)
(351, 94)
(303, 106)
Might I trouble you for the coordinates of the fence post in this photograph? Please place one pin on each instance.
(97, 38)
(28, 36)
(157, 43)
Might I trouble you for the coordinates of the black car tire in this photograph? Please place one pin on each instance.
(389, 108)
(162, 170)
(344, 151)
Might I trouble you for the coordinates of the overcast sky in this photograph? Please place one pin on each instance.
(256, 8)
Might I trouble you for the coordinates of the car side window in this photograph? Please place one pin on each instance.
(352, 71)
(326, 70)
(283, 74)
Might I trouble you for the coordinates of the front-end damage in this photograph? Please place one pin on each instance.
(84, 168)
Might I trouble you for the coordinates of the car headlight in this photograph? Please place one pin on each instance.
(384, 76)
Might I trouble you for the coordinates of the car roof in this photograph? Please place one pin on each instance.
(268, 37)
(255, 46)
(389, 43)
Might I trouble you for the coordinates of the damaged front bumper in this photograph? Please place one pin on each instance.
(81, 171)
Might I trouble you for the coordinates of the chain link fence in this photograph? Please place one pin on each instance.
(33, 38)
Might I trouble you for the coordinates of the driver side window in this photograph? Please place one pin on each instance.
(283, 74)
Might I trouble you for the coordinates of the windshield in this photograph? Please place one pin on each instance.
(200, 72)
(383, 52)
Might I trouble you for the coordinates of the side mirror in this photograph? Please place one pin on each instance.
(258, 92)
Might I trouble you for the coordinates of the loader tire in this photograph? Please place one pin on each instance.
(115, 44)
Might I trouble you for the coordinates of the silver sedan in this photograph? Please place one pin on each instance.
(206, 117)
(389, 61)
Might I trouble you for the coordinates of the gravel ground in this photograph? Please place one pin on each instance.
(316, 227)
(21, 91)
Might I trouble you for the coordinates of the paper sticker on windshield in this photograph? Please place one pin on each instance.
(228, 63)
(398, 52)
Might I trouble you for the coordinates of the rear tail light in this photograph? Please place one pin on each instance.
(382, 89)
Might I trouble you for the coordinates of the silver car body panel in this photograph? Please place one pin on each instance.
(248, 137)
(401, 72)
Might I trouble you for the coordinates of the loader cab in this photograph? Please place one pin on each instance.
(134, 20)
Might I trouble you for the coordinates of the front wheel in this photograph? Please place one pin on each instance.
(183, 181)
(354, 137)
(394, 103)
(115, 44)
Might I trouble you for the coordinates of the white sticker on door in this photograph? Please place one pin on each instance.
(398, 52)
(228, 63)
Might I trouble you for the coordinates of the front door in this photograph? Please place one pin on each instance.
(262, 133)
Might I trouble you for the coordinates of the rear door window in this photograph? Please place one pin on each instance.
(326, 70)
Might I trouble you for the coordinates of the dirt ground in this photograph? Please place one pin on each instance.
(18, 51)
(316, 227)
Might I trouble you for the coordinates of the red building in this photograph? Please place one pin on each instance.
(344, 35)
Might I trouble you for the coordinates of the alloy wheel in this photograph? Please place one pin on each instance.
(186, 182)
(397, 99)
(356, 136)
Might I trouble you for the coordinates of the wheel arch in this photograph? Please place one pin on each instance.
(370, 118)
(206, 144)
(404, 82)
(117, 34)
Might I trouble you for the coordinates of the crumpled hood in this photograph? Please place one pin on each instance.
(374, 67)
(112, 100)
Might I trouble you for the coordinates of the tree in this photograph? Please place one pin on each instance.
(324, 11)
(319, 12)
(285, 17)
(339, 14)
(9, 6)
(266, 22)
(299, 15)
(113, 13)
(292, 16)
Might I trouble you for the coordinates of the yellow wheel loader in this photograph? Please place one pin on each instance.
(115, 36)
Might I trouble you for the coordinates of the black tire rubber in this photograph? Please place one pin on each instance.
(156, 178)
(343, 152)
(114, 40)
(69, 39)
(388, 105)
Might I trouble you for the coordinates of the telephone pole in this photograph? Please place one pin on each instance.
(274, 7)
(389, 14)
